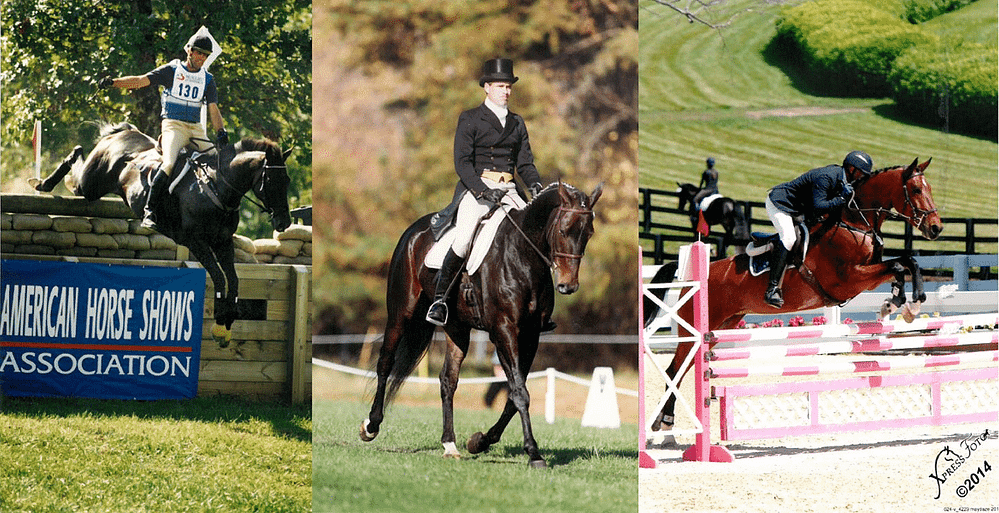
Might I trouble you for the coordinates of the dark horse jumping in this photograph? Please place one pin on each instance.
(725, 211)
(844, 260)
(192, 216)
(508, 296)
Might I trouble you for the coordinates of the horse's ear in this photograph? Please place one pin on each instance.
(564, 193)
(596, 194)
(284, 156)
(923, 166)
(911, 169)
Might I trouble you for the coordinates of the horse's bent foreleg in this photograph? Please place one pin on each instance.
(457, 347)
(226, 257)
(204, 254)
(61, 171)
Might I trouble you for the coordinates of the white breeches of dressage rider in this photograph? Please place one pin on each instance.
(470, 211)
(177, 134)
(783, 222)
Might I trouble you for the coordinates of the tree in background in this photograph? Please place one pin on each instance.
(55, 52)
(391, 80)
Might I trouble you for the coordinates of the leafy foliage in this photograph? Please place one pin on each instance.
(416, 65)
(55, 52)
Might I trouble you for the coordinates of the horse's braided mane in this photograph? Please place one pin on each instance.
(105, 129)
(554, 185)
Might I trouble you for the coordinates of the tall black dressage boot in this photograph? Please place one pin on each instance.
(773, 295)
(157, 190)
(437, 314)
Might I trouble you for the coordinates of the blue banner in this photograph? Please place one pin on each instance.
(97, 330)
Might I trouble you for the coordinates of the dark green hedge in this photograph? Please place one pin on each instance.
(869, 49)
(949, 85)
(848, 46)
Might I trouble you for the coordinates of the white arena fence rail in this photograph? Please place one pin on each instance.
(550, 374)
(878, 401)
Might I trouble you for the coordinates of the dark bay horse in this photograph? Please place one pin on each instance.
(844, 260)
(120, 164)
(508, 296)
(725, 211)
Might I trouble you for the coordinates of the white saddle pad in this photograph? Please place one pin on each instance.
(483, 241)
(706, 202)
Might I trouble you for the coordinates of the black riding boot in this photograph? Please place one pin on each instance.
(773, 295)
(157, 190)
(437, 314)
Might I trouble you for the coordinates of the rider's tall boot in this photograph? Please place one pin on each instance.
(157, 190)
(777, 264)
(437, 314)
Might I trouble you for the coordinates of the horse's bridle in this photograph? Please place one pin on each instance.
(916, 219)
(551, 229)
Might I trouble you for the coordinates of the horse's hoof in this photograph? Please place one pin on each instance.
(451, 451)
(477, 443)
(909, 311)
(221, 335)
(34, 183)
(538, 464)
(365, 435)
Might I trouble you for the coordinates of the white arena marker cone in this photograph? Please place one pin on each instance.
(601, 403)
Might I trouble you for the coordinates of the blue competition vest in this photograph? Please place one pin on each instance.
(183, 99)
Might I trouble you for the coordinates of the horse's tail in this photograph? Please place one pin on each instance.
(416, 332)
(665, 274)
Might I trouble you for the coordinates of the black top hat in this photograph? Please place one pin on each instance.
(497, 70)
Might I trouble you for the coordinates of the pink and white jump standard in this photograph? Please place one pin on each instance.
(850, 403)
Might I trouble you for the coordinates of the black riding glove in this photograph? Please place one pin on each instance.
(535, 189)
(493, 196)
(222, 138)
(105, 83)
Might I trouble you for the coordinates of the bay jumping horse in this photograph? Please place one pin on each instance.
(508, 296)
(844, 260)
(202, 220)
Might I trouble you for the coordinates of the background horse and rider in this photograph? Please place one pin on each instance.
(202, 212)
(844, 258)
(509, 296)
(721, 210)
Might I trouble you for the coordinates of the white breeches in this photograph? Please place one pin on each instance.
(177, 134)
(470, 211)
(783, 223)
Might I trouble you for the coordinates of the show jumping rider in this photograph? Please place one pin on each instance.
(186, 86)
(708, 186)
(812, 194)
(490, 145)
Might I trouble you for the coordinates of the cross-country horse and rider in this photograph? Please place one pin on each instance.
(198, 207)
(446, 272)
(827, 249)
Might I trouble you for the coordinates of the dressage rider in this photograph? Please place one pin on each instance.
(812, 194)
(708, 186)
(490, 145)
(186, 86)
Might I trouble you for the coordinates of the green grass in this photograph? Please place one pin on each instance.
(975, 23)
(198, 455)
(704, 93)
(590, 470)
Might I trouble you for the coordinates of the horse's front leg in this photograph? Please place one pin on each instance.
(225, 253)
(61, 171)
(457, 348)
(910, 310)
(516, 353)
(204, 254)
